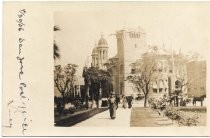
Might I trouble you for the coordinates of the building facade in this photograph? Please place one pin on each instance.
(131, 43)
(196, 72)
(132, 46)
(166, 70)
(172, 72)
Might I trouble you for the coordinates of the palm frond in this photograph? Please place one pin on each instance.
(56, 28)
(56, 51)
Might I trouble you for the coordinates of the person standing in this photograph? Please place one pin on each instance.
(124, 102)
(117, 100)
(112, 106)
(129, 99)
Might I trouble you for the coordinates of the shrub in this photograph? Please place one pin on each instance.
(182, 118)
(72, 110)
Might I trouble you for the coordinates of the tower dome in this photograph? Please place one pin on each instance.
(102, 41)
(94, 52)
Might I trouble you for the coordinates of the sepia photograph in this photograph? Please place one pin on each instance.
(110, 71)
(106, 68)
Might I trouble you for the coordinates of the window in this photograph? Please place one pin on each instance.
(133, 71)
(154, 90)
(103, 54)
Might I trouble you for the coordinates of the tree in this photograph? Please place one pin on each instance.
(143, 74)
(94, 80)
(180, 84)
(64, 79)
(87, 82)
(105, 80)
(181, 79)
(56, 53)
(95, 85)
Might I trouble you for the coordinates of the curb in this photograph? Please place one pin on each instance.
(74, 119)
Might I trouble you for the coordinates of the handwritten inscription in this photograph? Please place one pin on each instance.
(21, 25)
(10, 118)
(22, 108)
(20, 104)
(21, 66)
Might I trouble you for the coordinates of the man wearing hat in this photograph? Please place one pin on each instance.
(112, 105)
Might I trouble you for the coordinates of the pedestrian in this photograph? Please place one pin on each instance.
(117, 100)
(124, 102)
(112, 105)
(129, 99)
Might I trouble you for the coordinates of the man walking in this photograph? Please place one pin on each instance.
(117, 100)
(112, 105)
(129, 100)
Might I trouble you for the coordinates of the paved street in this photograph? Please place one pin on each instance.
(135, 117)
(103, 120)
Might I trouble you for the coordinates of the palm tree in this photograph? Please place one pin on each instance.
(55, 46)
(56, 51)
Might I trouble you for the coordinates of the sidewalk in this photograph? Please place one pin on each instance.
(145, 117)
(103, 120)
(72, 119)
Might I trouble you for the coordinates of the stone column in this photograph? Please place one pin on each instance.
(158, 86)
(79, 91)
(106, 55)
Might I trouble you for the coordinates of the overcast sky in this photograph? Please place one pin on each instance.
(185, 26)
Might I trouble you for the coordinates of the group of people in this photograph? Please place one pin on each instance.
(114, 102)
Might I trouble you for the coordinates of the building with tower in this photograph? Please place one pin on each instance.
(171, 70)
(131, 43)
(100, 54)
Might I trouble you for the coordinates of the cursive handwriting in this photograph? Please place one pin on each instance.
(22, 93)
(21, 107)
(21, 66)
(20, 104)
(20, 40)
(10, 117)
(20, 15)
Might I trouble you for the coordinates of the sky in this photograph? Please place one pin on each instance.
(181, 26)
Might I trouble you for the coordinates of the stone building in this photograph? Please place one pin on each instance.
(168, 69)
(196, 72)
(131, 43)
(132, 46)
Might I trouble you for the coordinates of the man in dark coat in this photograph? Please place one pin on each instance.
(117, 100)
(112, 106)
(129, 100)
